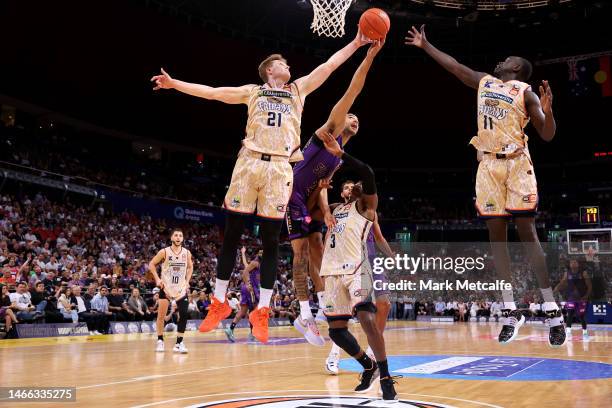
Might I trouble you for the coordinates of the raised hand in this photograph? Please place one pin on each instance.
(331, 144)
(163, 81)
(243, 250)
(416, 37)
(546, 97)
(375, 47)
(361, 39)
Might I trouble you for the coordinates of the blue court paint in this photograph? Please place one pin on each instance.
(506, 368)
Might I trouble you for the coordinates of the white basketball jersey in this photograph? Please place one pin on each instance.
(345, 247)
(174, 272)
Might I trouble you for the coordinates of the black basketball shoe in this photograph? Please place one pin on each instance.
(514, 321)
(388, 390)
(367, 379)
(557, 336)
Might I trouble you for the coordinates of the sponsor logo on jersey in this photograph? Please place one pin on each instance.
(515, 90)
(530, 198)
(489, 206)
(268, 93)
(361, 293)
(235, 202)
(496, 112)
(495, 95)
(341, 215)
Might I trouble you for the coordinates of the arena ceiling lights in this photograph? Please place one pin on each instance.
(490, 5)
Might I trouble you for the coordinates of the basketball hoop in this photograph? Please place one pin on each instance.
(329, 17)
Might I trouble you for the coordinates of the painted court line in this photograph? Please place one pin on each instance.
(145, 378)
(350, 393)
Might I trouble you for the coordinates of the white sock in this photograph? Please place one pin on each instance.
(510, 305)
(370, 352)
(221, 289)
(320, 296)
(265, 295)
(335, 350)
(305, 311)
(547, 294)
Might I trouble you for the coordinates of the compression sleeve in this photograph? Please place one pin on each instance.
(366, 174)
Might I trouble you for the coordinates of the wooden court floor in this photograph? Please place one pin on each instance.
(124, 371)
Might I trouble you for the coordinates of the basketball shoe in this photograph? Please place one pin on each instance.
(308, 328)
(388, 389)
(180, 348)
(259, 319)
(514, 321)
(160, 346)
(557, 336)
(230, 335)
(331, 364)
(217, 312)
(367, 379)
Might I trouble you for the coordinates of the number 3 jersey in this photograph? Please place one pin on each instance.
(345, 246)
(174, 272)
(273, 126)
(502, 116)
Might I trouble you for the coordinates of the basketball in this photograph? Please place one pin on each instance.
(374, 23)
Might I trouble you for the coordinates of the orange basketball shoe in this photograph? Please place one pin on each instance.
(217, 312)
(259, 320)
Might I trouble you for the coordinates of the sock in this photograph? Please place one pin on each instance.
(320, 296)
(221, 289)
(305, 311)
(232, 326)
(335, 349)
(366, 362)
(369, 351)
(160, 337)
(179, 340)
(585, 332)
(510, 305)
(547, 294)
(508, 297)
(264, 297)
(383, 366)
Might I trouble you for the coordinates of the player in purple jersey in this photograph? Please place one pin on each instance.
(249, 293)
(383, 305)
(305, 234)
(576, 287)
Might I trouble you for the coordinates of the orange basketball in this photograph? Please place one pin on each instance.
(374, 23)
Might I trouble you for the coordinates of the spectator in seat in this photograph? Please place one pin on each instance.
(440, 307)
(117, 306)
(496, 309)
(192, 309)
(23, 304)
(138, 306)
(38, 297)
(203, 303)
(67, 309)
(462, 311)
(6, 312)
(93, 319)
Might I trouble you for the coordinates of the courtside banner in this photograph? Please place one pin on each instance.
(25, 331)
(599, 312)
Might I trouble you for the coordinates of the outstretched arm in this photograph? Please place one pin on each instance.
(316, 78)
(369, 198)
(467, 75)
(226, 94)
(381, 241)
(337, 116)
(540, 111)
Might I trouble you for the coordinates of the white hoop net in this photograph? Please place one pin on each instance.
(329, 17)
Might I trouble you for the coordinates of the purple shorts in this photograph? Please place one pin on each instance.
(580, 307)
(299, 222)
(246, 299)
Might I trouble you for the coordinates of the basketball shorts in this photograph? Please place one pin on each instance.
(506, 187)
(260, 184)
(343, 293)
(250, 301)
(163, 295)
(579, 307)
(299, 222)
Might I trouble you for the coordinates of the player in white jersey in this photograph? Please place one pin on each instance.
(173, 281)
(505, 183)
(262, 179)
(348, 276)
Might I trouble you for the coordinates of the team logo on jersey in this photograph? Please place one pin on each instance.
(530, 198)
(235, 202)
(515, 90)
(489, 206)
(272, 106)
(488, 84)
(495, 95)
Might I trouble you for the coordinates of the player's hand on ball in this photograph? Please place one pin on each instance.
(416, 37)
(163, 81)
(361, 39)
(331, 144)
(375, 47)
(546, 97)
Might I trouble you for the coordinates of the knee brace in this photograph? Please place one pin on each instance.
(345, 340)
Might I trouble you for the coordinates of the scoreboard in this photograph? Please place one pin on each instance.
(589, 215)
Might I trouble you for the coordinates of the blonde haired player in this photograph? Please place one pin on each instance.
(176, 271)
(262, 178)
(505, 183)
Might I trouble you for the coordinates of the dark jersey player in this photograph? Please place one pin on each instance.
(576, 288)
(318, 164)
